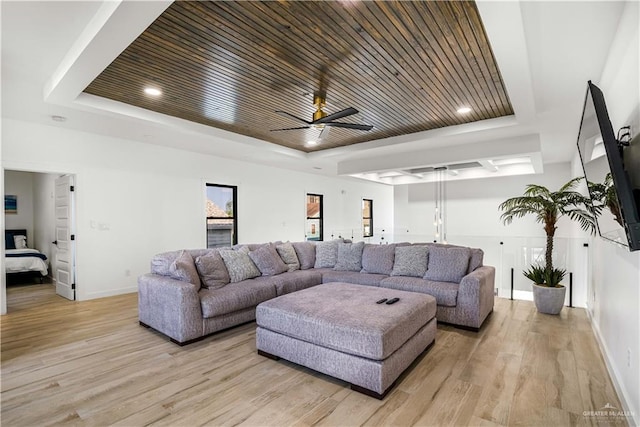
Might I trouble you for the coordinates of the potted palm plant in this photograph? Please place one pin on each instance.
(547, 207)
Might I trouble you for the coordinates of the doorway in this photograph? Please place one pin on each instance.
(37, 205)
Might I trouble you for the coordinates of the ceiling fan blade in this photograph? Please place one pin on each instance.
(301, 127)
(291, 116)
(349, 125)
(335, 116)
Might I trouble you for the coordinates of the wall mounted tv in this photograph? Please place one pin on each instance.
(611, 166)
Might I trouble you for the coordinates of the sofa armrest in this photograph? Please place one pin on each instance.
(476, 295)
(170, 306)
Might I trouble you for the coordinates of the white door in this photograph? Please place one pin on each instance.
(65, 238)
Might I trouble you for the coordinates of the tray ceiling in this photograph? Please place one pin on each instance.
(406, 66)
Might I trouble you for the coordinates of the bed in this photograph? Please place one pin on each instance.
(20, 261)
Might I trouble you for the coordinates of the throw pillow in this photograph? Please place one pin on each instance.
(184, 269)
(477, 256)
(410, 261)
(20, 242)
(378, 259)
(306, 252)
(288, 255)
(447, 264)
(327, 254)
(268, 261)
(349, 256)
(212, 270)
(239, 265)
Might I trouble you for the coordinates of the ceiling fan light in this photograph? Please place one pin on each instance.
(464, 110)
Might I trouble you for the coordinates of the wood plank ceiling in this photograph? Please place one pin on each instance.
(407, 66)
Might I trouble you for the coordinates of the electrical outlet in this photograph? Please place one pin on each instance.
(628, 358)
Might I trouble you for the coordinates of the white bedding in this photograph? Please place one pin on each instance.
(20, 264)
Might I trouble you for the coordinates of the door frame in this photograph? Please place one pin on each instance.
(35, 168)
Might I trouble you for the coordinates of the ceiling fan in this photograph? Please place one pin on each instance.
(322, 121)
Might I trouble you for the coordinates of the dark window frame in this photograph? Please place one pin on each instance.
(370, 217)
(320, 216)
(234, 188)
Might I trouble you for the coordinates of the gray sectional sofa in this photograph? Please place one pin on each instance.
(190, 294)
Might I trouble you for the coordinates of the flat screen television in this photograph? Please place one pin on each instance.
(612, 169)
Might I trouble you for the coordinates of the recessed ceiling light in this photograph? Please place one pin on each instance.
(312, 143)
(152, 91)
(59, 118)
(464, 110)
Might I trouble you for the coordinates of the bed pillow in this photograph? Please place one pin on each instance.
(306, 252)
(410, 261)
(288, 255)
(268, 261)
(184, 269)
(20, 242)
(327, 254)
(213, 273)
(349, 257)
(447, 264)
(239, 265)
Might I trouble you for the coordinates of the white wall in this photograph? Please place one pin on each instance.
(614, 295)
(135, 200)
(44, 225)
(20, 184)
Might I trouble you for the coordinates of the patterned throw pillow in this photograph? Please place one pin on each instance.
(239, 265)
(306, 252)
(447, 264)
(410, 261)
(349, 256)
(212, 270)
(378, 259)
(268, 261)
(288, 255)
(327, 254)
(184, 269)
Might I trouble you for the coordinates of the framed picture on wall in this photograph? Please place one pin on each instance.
(10, 204)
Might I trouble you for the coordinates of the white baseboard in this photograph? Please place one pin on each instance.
(634, 418)
(108, 293)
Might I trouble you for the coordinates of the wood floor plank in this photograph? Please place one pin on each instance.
(522, 368)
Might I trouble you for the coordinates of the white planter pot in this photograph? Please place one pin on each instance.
(548, 300)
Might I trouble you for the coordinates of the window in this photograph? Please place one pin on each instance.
(222, 227)
(367, 218)
(314, 217)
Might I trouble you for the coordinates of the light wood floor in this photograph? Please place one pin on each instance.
(90, 363)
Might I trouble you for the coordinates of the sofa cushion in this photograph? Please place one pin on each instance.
(477, 256)
(213, 273)
(327, 254)
(235, 296)
(293, 281)
(446, 294)
(267, 260)
(306, 252)
(239, 265)
(410, 261)
(378, 259)
(288, 255)
(354, 277)
(349, 257)
(447, 264)
(184, 269)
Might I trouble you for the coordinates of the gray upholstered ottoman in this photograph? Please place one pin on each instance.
(339, 330)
